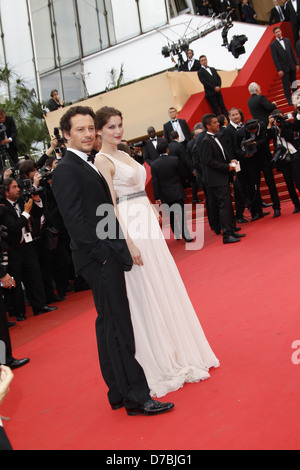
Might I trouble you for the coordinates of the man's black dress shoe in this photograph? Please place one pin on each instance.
(150, 408)
(117, 405)
(296, 210)
(259, 215)
(231, 239)
(277, 213)
(264, 204)
(242, 220)
(16, 363)
(46, 309)
(239, 235)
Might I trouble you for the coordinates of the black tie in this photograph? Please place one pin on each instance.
(91, 158)
(174, 120)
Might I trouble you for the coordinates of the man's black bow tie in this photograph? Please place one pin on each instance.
(174, 120)
(154, 138)
(91, 158)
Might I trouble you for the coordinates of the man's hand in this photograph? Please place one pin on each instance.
(8, 282)
(28, 206)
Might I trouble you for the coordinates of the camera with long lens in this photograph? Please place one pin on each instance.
(249, 145)
(28, 190)
(280, 119)
(281, 154)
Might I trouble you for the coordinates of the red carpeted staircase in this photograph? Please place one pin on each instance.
(259, 68)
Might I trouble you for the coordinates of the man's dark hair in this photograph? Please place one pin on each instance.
(65, 122)
(6, 185)
(162, 146)
(207, 118)
(26, 167)
(174, 135)
(275, 28)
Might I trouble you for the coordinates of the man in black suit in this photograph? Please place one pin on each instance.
(285, 62)
(292, 9)
(217, 167)
(150, 148)
(277, 13)
(179, 125)
(240, 183)
(23, 263)
(101, 256)
(259, 106)
(212, 82)
(257, 157)
(191, 65)
(168, 189)
(226, 6)
(9, 142)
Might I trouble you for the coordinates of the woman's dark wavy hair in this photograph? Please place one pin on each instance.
(104, 114)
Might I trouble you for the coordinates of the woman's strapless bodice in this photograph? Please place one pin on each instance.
(127, 179)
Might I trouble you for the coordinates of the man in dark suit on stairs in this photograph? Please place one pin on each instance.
(285, 62)
(277, 13)
(212, 82)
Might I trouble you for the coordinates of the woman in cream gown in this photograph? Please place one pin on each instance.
(170, 343)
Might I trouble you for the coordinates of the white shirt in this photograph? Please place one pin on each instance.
(207, 69)
(177, 127)
(294, 3)
(281, 42)
(84, 157)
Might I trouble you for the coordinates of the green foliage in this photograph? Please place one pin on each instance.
(27, 112)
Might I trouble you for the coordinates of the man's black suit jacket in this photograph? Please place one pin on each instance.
(11, 131)
(260, 108)
(284, 60)
(150, 152)
(274, 15)
(185, 66)
(15, 224)
(209, 81)
(80, 192)
(293, 17)
(168, 128)
(216, 167)
(166, 179)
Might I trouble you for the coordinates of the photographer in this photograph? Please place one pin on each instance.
(37, 180)
(286, 151)
(23, 265)
(252, 145)
(7, 282)
(8, 139)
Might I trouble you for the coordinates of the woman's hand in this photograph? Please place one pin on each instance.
(136, 255)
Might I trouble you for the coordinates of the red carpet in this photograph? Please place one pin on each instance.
(247, 299)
